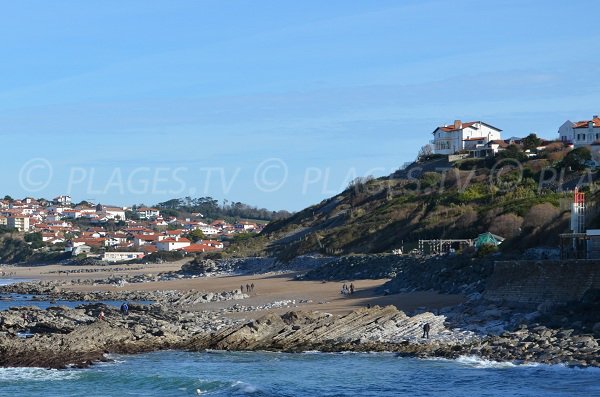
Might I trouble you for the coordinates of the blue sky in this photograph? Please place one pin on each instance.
(273, 103)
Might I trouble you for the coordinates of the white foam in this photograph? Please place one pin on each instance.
(244, 387)
(478, 362)
(36, 374)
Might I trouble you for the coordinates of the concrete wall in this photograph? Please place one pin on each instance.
(542, 281)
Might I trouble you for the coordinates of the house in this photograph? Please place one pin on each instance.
(472, 135)
(586, 132)
(212, 243)
(565, 132)
(110, 212)
(144, 239)
(172, 244)
(62, 200)
(81, 249)
(580, 133)
(21, 223)
(122, 256)
(147, 213)
(197, 248)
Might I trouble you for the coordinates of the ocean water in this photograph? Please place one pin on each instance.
(172, 373)
(18, 300)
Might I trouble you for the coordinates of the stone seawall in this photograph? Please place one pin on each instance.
(551, 281)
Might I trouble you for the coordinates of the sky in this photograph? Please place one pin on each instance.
(278, 104)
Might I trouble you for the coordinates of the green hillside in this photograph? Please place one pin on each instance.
(527, 201)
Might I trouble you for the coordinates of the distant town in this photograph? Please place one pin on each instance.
(115, 233)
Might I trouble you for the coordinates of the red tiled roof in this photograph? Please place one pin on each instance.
(585, 123)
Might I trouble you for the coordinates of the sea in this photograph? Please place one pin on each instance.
(175, 373)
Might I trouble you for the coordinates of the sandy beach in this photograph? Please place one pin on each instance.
(269, 287)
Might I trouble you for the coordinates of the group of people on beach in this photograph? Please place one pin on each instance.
(6, 274)
(347, 289)
(249, 288)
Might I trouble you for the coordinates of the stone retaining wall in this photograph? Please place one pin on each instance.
(536, 282)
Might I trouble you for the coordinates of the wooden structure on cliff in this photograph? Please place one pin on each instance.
(443, 246)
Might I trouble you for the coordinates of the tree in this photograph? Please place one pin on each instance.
(425, 152)
(531, 141)
(34, 239)
(576, 159)
(196, 235)
(513, 152)
(507, 225)
(540, 215)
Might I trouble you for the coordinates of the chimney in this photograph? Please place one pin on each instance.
(457, 124)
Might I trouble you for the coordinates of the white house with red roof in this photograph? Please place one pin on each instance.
(459, 136)
(172, 244)
(580, 133)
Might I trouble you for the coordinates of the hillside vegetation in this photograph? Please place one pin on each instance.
(527, 201)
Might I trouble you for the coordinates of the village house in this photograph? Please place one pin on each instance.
(147, 213)
(470, 136)
(172, 244)
(21, 223)
(110, 212)
(62, 200)
(122, 256)
(580, 133)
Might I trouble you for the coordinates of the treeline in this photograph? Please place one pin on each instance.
(211, 208)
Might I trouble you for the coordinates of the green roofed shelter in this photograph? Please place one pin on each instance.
(488, 239)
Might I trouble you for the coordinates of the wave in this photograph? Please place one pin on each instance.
(14, 374)
(244, 387)
(478, 362)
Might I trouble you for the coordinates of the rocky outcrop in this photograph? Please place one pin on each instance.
(48, 290)
(60, 337)
(299, 331)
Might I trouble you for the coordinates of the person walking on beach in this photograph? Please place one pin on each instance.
(351, 289)
(248, 288)
(426, 328)
(242, 288)
(252, 287)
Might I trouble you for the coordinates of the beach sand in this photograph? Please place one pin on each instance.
(269, 288)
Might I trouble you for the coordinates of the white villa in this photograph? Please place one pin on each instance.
(580, 133)
(471, 136)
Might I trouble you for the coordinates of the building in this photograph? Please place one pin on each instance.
(487, 239)
(565, 132)
(470, 136)
(21, 223)
(62, 200)
(172, 244)
(122, 256)
(580, 133)
(147, 213)
(110, 212)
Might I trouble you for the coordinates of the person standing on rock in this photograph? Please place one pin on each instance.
(124, 309)
(426, 328)
(101, 315)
